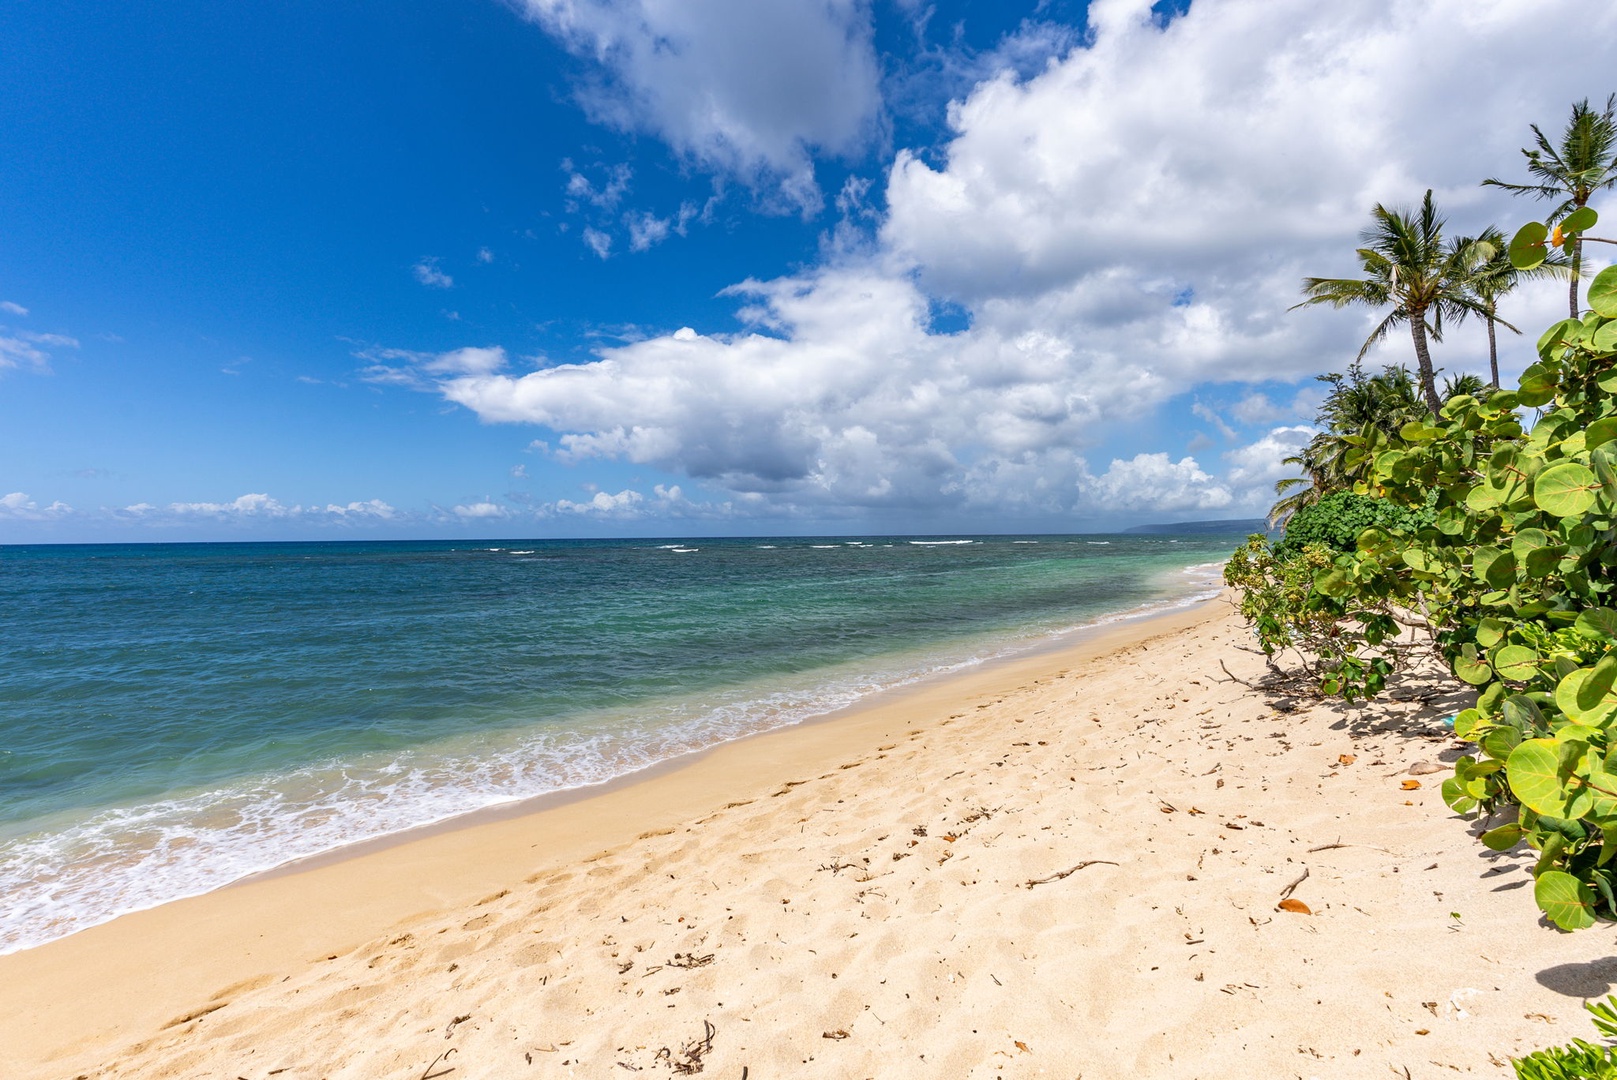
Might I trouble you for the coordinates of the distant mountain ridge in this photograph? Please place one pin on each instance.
(1244, 526)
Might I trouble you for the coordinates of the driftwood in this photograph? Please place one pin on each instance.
(1069, 872)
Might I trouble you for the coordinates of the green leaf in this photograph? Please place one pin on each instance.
(1598, 623)
(1417, 560)
(1601, 431)
(1455, 797)
(1334, 584)
(1522, 713)
(1527, 540)
(1490, 632)
(1499, 742)
(1552, 337)
(1567, 901)
(1465, 722)
(1603, 293)
(1596, 686)
(1527, 248)
(1470, 668)
(1501, 572)
(1503, 838)
(1565, 490)
(1482, 498)
(1579, 220)
(1537, 781)
(1605, 339)
(1517, 663)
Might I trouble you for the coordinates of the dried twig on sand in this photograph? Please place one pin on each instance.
(1069, 872)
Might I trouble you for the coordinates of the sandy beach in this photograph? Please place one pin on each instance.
(1065, 865)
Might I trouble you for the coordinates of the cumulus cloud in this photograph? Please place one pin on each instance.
(1153, 482)
(1129, 222)
(12, 308)
(1256, 467)
(257, 507)
(17, 506)
(428, 274)
(742, 88)
(621, 504)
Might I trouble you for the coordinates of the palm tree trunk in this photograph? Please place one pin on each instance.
(1577, 263)
(1493, 353)
(1428, 378)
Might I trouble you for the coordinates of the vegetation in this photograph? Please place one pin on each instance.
(1408, 268)
(1578, 1060)
(1479, 528)
(1571, 171)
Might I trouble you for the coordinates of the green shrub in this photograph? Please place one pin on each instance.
(1336, 521)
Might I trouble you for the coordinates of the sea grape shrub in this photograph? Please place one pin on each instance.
(1511, 577)
(1515, 576)
(1336, 521)
(1343, 656)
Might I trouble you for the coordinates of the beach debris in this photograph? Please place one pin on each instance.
(691, 1054)
(1070, 871)
(428, 1074)
(690, 960)
(839, 1033)
(449, 1029)
(1295, 905)
(1410, 785)
(1426, 768)
(1022, 1046)
(1347, 759)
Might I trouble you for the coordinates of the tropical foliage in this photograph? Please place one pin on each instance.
(1409, 269)
(1582, 163)
(1510, 580)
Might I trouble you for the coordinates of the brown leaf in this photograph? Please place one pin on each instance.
(1347, 759)
(1022, 1046)
(1298, 906)
(837, 1034)
(1410, 785)
(1422, 1031)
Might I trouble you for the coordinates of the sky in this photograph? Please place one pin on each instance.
(568, 268)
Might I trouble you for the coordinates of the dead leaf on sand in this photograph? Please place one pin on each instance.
(1347, 759)
(1298, 906)
(1410, 785)
(1022, 1046)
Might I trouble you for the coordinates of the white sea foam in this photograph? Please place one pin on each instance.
(940, 543)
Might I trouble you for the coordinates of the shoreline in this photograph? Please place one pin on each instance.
(1058, 642)
(1069, 860)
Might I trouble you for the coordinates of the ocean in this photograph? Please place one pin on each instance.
(174, 717)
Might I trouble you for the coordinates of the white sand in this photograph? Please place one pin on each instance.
(851, 899)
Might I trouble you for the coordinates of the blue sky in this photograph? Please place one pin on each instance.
(598, 267)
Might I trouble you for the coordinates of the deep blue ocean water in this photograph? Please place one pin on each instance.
(174, 717)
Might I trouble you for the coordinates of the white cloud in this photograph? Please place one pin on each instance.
(598, 241)
(427, 273)
(1214, 419)
(744, 88)
(1254, 468)
(646, 230)
(256, 505)
(370, 510)
(22, 348)
(621, 504)
(1129, 223)
(485, 256)
(1152, 482)
(483, 509)
(17, 506)
(12, 308)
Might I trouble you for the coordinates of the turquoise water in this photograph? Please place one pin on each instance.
(174, 717)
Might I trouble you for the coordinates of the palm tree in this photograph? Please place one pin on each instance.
(1407, 266)
(1359, 412)
(1585, 162)
(1492, 278)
